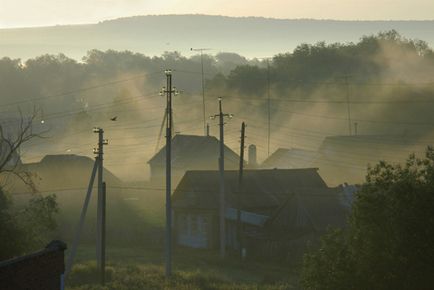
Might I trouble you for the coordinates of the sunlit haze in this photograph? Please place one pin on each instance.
(59, 12)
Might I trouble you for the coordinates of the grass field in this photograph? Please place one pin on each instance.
(141, 268)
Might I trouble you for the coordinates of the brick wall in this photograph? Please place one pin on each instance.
(38, 271)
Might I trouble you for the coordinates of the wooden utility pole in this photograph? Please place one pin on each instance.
(240, 192)
(347, 88)
(100, 238)
(168, 91)
(221, 117)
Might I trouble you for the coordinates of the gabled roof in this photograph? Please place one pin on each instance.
(289, 158)
(65, 170)
(188, 149)
(311, 209)
(266, 188)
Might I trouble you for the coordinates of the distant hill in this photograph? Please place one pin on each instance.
(152, 35)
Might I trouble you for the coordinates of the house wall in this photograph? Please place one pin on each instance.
(231, 235)
(195, 228)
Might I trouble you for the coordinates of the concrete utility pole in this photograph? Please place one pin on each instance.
(101, 211)
(100, 239)
(221, 116)
(103, 231)
(240, 192)
(168, 90)
(201, 50)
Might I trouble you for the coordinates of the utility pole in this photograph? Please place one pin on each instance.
(201, 50)
(221, 117)
(70, 260)
(168, 90)
(240, 192)
(347, 85)
(269, 106)
(101, 211)
(103, 231)
(100, 239)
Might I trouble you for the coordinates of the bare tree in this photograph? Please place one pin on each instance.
(10, 144)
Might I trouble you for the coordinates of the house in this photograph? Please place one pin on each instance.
(284, 158)
(61, 171)
(347, 157)
(276, 204)
(191, 152)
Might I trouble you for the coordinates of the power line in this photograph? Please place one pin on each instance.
(80, 90)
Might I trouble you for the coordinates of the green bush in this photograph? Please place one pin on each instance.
(389, 242)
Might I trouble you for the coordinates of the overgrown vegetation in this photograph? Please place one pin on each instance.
(26, 229)
(141, 268)
(388, 244)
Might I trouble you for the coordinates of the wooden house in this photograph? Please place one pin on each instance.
(191, 152)
(275, 204)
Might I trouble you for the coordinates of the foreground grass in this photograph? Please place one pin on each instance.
(142, 269)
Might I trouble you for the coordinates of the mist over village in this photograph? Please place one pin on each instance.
(216, 146)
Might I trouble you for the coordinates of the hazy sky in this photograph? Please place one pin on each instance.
(18, 13)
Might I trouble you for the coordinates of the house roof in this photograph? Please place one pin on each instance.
(345, 158)
(266, 188)
(65, 170)
(289, 158)
(190, 149)
(311, 209)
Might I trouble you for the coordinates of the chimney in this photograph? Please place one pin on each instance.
(252, 156)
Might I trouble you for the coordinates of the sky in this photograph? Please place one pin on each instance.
(25, 13)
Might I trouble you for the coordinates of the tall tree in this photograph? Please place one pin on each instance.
(388, 244)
